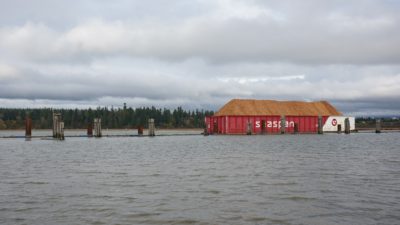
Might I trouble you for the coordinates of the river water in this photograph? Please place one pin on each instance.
(289, 179)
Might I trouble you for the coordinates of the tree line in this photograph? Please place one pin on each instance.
(113, 118)
(370, 122)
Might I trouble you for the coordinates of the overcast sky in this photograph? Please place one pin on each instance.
(200, 53)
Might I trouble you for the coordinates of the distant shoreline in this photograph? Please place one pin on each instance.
(116, 129)
(181, 129)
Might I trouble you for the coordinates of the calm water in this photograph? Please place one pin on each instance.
(292, 179)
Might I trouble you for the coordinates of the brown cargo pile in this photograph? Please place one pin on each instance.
(251, 107)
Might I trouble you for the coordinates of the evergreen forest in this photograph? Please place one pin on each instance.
(112, 118)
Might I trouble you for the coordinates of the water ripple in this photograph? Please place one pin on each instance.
(290, 179)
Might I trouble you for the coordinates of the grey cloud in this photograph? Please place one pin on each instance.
(171, 53)
(163, 81)
(330, 38)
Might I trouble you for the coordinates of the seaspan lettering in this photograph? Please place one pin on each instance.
(275, 124)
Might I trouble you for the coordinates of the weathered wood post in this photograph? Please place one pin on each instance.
(56, 120)
(99, 131)
(347, 126)
(55, 125)
(215, 128)
(58, 126)
(296, 128)
(283, 124)
(205, 133)
(151, 128)
(97, 127)
(320, 125)
(90, 130)
(28, 127)
(378, 126)
(140, 130)
(60, 131)
(339, 128)
(263, 127)
(248, 130)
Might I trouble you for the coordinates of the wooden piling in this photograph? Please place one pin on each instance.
(249, 125)
(339, 128)
(58, 127)
(56, 121)
(283, 124)
(215, 128)
(296, 128)
(97, 127)
(263, 127)
(205, 133)
(61, 131)
(140, 130)
(28, 127)
(151, 127)
(90, 130)
(378, 126)
(320, 125)
(347, 126)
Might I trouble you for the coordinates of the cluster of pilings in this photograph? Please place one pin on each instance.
(296, 127)
(346, 127)
(283, 126)
(58, 127)
(98, 132)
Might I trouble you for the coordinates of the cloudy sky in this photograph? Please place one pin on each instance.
(200, 53)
